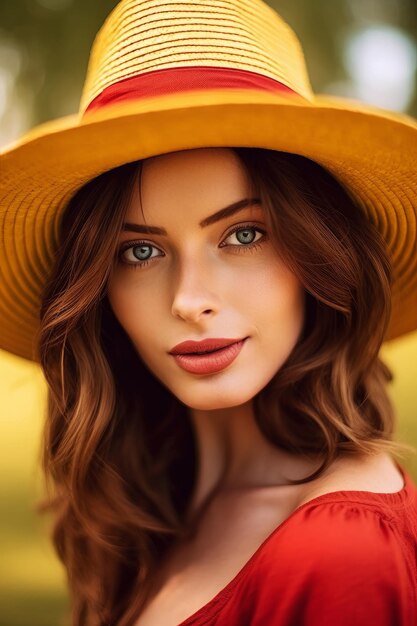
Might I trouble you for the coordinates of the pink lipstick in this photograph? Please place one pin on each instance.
(208, 356)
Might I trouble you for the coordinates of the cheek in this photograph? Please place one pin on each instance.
(272, 292)
(278, 307)
(134, 312)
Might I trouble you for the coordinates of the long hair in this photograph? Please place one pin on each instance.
(119, 453)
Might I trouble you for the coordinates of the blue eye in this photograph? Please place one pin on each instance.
(141, 251)
(246, 235)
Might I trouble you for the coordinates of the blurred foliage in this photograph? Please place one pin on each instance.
(54, 38)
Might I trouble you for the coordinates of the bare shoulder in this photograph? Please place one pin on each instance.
(378, 474)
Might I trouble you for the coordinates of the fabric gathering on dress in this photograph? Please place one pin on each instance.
(345, 558)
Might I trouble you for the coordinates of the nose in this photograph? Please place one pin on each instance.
(194, 298)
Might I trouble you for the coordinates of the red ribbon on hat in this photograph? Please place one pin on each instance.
(178, 79)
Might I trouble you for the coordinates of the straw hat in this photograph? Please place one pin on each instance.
(166, 76)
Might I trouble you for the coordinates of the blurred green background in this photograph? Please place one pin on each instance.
(362, 49)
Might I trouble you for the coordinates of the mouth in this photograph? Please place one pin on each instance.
(205, 351)
(209, 361)
(205, 346)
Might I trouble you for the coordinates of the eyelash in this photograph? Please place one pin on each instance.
(239, 248)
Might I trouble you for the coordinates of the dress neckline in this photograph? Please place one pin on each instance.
(393, 500)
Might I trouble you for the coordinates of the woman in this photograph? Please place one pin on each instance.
(219, 436)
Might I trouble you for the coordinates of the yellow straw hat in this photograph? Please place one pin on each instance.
(166, 76)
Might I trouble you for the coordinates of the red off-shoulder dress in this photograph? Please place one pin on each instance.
(347, 558)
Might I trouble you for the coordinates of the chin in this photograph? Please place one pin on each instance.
(212, 401)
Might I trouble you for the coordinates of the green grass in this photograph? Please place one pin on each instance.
(32, 581)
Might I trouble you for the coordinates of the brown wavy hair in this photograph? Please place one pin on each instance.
(121, 463)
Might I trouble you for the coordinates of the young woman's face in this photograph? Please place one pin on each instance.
(222, 279)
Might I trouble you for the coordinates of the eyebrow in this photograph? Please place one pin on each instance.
(229, 210)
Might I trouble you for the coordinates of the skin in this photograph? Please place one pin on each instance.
(193, 288)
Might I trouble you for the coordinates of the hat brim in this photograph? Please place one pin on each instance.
(372, 152)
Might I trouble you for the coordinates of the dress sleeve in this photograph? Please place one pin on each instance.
(338, 564)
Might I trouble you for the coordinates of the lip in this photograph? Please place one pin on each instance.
(205, 345)
(212, 362)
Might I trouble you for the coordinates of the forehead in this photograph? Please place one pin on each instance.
(189, 182)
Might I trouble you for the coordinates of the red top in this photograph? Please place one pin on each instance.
(344, 558)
